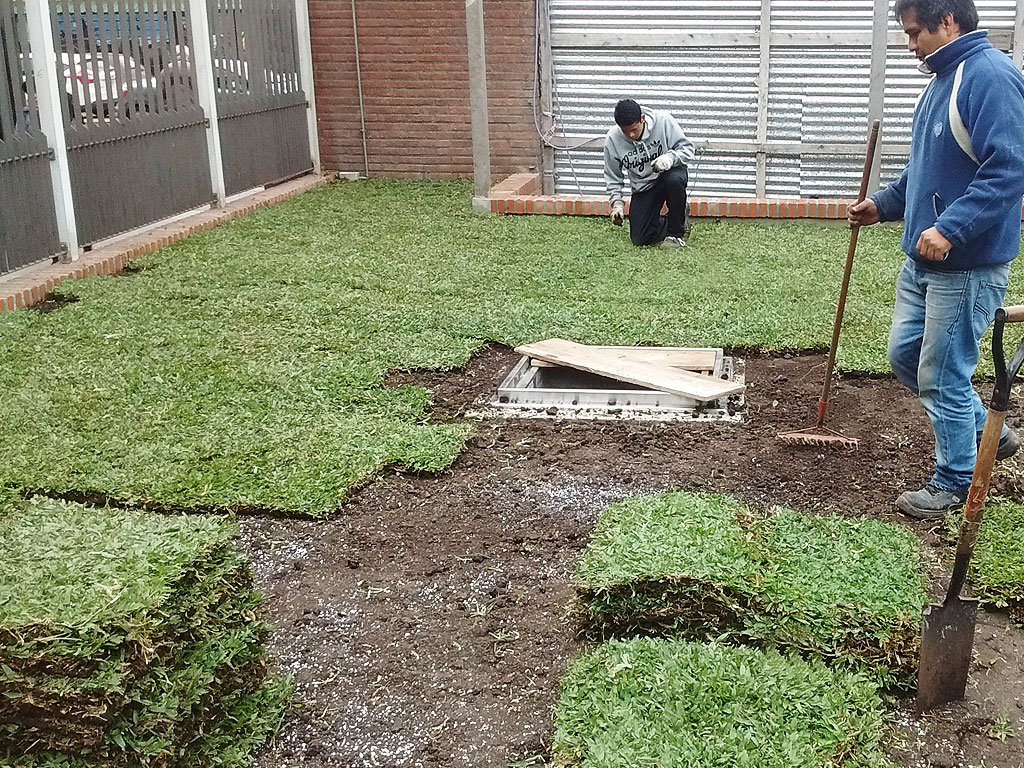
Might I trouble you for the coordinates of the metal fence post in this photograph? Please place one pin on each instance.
(876, 87)
(478, 104)
(50, 95)
(1018, 36)
(763, 83)
(306, 75)
(202, 56)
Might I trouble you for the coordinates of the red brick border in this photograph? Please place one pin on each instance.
(741, 208)
(516, 195)
(31, 285)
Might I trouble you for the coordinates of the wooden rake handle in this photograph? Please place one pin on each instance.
(869, 161)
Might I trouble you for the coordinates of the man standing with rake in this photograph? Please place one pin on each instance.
(960, 196)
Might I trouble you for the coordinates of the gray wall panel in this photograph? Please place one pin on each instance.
(660, 15)
(817, 94)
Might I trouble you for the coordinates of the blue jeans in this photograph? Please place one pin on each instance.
(937, 326)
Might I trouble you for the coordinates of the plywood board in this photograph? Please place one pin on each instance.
(618, 364)
(684, 359)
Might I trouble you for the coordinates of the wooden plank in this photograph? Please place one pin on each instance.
(617, 364)
(698, 360)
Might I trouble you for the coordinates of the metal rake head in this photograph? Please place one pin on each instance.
(820, 436)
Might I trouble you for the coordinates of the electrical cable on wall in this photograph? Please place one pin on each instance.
(359, 86)
(546, 137)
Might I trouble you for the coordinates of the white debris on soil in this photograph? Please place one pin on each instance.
(393, 670)
(581, 497)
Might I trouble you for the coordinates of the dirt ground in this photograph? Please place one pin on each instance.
(427, 623)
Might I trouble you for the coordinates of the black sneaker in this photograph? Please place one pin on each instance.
(1008, 445)
(931, 502)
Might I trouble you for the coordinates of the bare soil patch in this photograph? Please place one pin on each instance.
(427, 623)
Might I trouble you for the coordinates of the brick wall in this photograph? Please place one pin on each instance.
(415, 77)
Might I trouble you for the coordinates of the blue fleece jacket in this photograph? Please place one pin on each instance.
(975, 205)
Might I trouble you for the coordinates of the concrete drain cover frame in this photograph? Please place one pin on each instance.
(534, 389)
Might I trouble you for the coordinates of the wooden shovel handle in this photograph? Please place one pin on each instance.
(974, 508)
(1014, 314)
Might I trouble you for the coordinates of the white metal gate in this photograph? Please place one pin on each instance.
(776, 94)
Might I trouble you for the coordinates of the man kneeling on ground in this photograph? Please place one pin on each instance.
(651, 148)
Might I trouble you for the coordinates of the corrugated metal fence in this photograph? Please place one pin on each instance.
(777, 94)
(136, 134)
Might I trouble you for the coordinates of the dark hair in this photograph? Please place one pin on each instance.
(930, 13)
(627, 112)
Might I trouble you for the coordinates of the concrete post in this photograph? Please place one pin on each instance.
(1018, 36)
(763, 79)
(478, 104)
(50, 97)
(306, 75)
(202, 60)
(547, 123)
(876, 87)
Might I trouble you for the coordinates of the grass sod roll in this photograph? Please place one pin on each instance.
(166, 706)
(70, 714)
(677, 704)
(670, 559)
(126, 638)
(45, 666)
(842, 587)
(209, 592)
(702, 566)
(76, 567)
(173, 706)
(246, 719)
(243, 720)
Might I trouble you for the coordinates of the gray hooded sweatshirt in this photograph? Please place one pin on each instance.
(623, 156)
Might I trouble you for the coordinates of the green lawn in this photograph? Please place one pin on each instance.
(241, 368)
(997, 566)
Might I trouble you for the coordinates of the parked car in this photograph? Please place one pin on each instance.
(105, 84)
(99, 76)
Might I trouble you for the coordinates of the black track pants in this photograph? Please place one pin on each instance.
(646, 224)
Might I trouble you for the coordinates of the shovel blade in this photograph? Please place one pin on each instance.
(947, 638)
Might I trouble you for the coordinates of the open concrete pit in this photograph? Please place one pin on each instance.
(535, 389)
